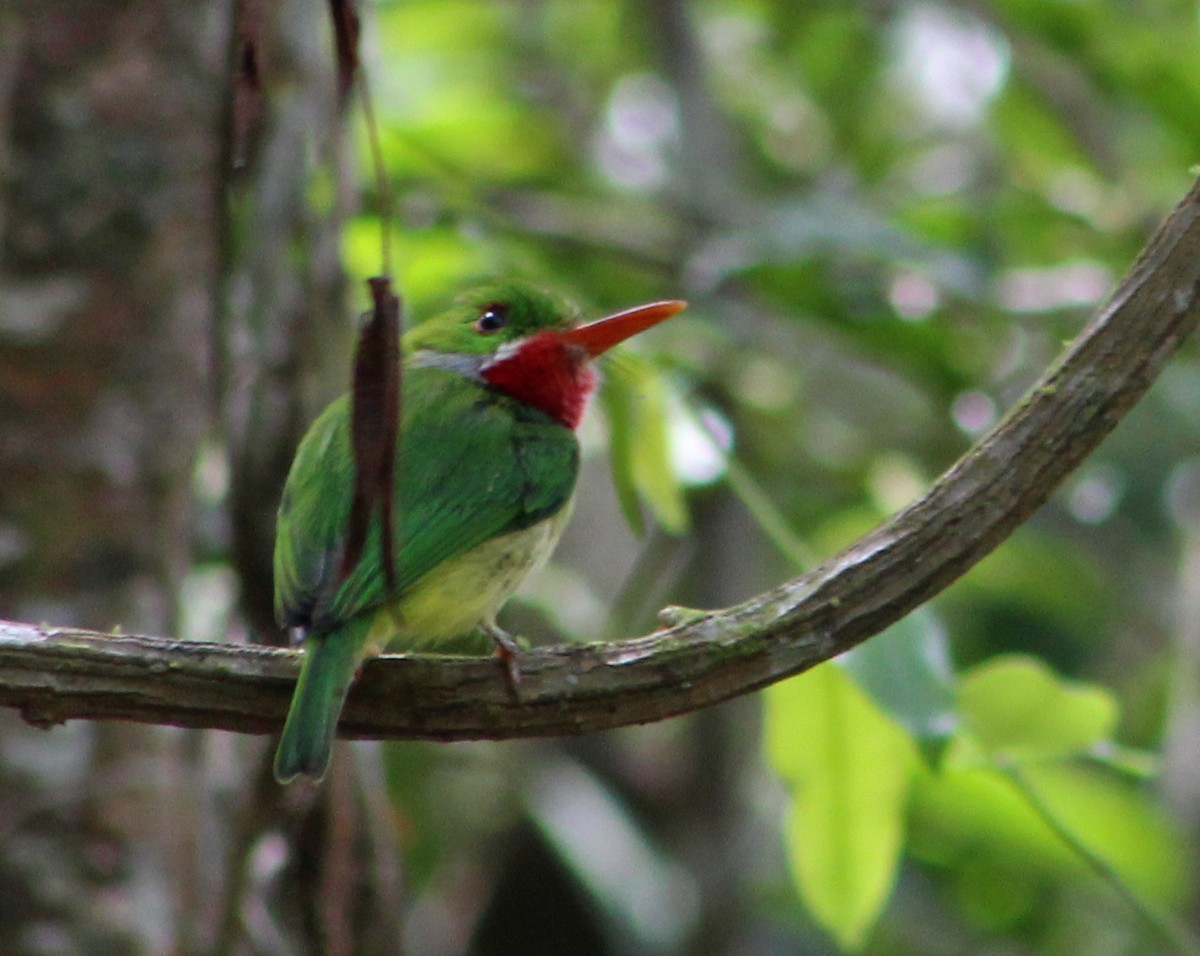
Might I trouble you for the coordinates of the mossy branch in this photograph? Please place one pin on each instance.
(56, 674)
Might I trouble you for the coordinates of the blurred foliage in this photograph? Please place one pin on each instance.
(888, 218)
(848, 769)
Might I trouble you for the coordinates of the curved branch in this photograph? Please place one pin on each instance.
(53, 675)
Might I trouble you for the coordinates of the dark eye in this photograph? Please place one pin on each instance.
(493, 318)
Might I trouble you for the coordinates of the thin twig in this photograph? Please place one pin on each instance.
(1162, 923)
(383, 186)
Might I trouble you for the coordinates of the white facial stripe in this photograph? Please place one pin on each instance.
(506, 351)
(510, 350)
(460, 362)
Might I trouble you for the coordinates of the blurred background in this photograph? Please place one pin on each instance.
(888, 217)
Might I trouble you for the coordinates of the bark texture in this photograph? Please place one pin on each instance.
(109, 120)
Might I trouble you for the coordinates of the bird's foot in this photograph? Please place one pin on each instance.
(507, 649)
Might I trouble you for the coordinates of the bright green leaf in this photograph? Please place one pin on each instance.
(618, 413)
(1120, 823)
(848, 768)
(429, 264)
(1016, 706)
(1129, 760)
(974, 812)
(635, 403)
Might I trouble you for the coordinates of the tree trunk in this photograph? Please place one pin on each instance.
(110, 124)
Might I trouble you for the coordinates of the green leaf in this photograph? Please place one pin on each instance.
(636, 401)
(976, 813)
(618, 412)
(1016, 707)
(848, 768)
(906, 669)
(1120, 823)
(430, 262)
(1128, 760)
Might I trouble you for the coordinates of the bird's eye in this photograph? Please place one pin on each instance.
(492, 319)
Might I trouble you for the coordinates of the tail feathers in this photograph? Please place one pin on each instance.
(330, 663)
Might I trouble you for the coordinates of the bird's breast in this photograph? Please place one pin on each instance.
(459, 595)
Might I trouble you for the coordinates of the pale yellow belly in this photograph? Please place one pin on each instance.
(459, 595)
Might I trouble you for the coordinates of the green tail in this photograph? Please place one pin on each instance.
(330, 662)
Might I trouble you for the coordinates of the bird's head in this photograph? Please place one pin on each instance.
(528, 343)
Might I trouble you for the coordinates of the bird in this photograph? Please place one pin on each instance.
(485, 468)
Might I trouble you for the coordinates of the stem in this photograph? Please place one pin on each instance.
(382, 184)
(1162, 923)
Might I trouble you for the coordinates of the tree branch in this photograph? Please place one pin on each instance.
(52, 675)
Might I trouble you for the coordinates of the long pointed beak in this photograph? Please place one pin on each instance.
(598, 337)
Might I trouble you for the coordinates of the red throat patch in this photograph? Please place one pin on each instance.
(548, 374)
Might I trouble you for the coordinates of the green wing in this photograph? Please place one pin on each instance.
(472, 464)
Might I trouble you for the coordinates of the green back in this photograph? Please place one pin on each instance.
(471, 464)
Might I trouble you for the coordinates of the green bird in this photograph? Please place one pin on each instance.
(484, 475)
